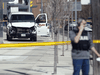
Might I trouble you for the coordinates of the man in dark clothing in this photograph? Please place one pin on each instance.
(81, 44)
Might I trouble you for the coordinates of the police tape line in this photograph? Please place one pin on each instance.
(34, 44)
(38, 44)
(96, 41)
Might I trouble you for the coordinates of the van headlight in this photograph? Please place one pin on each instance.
(12, 30)
(33, 29)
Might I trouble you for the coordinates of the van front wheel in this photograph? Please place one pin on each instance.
(9, 38)
(33, 38)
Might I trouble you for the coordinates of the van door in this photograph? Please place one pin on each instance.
(42, 28)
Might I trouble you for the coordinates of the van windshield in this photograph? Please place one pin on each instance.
(22, 18)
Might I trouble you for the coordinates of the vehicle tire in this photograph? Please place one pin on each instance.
(9, 38)
(33, 38)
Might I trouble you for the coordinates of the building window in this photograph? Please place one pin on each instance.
(38, 1)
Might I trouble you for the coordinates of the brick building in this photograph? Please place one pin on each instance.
(37, 10)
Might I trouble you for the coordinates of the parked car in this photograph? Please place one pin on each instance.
(71, 26)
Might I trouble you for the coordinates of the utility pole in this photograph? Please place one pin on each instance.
(96, 33)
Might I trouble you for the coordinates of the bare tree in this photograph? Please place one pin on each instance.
(57, 10)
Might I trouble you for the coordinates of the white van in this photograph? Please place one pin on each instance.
(21, 25)
(43, 25)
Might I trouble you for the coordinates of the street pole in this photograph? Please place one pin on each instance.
(52, 30)
(1, 11)
(72, 17)
(1, 23)
(41, 6)
(29, 6)
(68, 33)
(55, 49)
(76, 11)
(58, 30)
(72, 11)
(63, 38)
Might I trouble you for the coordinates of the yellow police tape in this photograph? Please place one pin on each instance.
(96, 41)
(34, 44)
(38, 44)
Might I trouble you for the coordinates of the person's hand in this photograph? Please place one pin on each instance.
(81, 28)
(98, 55)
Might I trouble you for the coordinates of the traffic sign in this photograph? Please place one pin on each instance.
(7, 0)
(31, 3)
(79, 6)
(34, 6)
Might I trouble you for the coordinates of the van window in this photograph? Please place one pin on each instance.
(41, 19)
(22, 18)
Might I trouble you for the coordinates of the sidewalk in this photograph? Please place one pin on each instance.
(45, 66)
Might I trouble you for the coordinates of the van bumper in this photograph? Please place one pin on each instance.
(22, 35)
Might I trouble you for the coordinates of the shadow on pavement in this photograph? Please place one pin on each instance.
(57, 66)
(7, 74)
(35, 70)
(21, 73)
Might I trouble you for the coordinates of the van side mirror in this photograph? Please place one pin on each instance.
(48, 24)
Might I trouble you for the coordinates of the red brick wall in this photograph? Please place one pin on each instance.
(36, 11)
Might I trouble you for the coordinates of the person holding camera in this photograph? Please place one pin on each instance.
(81, 44)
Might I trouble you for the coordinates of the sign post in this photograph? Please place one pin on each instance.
(1, 23)
(41, 6)
(76, 6)
(29, 5)
(76, 11)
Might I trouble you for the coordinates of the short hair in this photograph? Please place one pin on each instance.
(80, 20)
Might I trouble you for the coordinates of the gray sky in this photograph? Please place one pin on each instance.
(85, 1)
